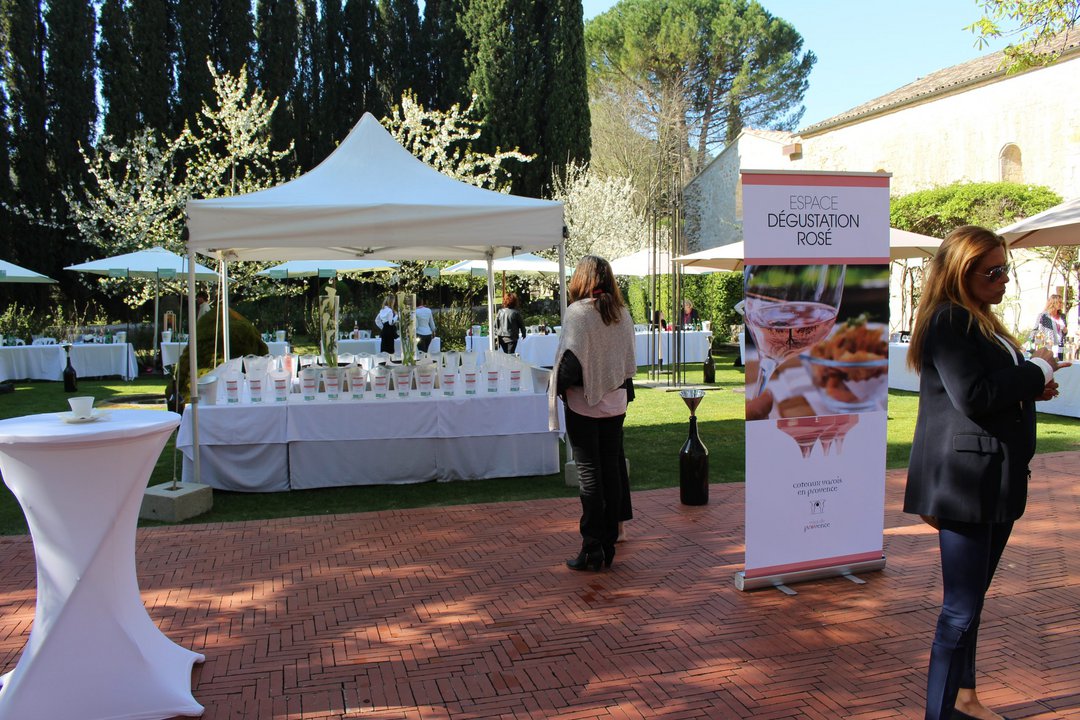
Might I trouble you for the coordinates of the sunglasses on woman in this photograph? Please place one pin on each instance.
(995, 273)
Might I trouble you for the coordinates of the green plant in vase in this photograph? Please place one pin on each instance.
(328, 325)
(407, 327)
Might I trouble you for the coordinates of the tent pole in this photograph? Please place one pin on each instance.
(225, 309)
(491, 299)
(193, 366)
(562, 278)
(156, 345)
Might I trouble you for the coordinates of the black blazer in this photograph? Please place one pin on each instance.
(975, 433)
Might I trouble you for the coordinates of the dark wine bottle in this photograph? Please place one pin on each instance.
(694, 469)
(708, 369)
(70, 384)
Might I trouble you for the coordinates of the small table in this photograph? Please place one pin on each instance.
(93, 652)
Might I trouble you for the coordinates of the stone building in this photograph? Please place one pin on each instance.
(970, 122)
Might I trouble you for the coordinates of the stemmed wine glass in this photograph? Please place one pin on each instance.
(788, 309)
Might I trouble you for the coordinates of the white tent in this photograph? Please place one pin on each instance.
(370, 199)
(723, 257)
(520, 263)
(10, 272)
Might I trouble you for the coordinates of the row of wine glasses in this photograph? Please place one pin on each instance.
(830, 430)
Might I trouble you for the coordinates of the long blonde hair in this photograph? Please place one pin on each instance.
(947, 283)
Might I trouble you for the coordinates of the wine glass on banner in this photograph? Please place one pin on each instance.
(788, 308)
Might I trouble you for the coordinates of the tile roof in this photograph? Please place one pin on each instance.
(984, 69)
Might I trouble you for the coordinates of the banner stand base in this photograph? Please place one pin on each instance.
(782, 580)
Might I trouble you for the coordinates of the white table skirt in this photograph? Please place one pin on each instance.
(363, 345)
(540, 350)
(274, 447)
(47, 362)
(901, 377)
(93, 651)
(171, 351)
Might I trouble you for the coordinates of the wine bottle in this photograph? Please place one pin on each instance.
(708, 369)
(70, 378)
(694, 469)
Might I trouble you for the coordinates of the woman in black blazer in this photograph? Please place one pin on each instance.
(974, 437)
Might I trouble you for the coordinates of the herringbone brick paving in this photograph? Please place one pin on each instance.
(468, 612)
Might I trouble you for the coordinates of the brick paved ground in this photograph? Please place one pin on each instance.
(468, 612)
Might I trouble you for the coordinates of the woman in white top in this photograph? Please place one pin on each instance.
(386, 322)
(425, 326)
(594, 368)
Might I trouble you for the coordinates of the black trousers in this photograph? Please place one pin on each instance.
(601, 466)
(423, 342)
(508, 345)
(969, 556)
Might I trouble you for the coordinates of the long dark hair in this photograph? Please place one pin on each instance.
(593, 278)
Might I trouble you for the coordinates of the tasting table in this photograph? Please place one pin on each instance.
(93, 653)
(171, 351)
(539, 350)
(47, 362)
(275, 446)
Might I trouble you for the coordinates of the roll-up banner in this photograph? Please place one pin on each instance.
(817, 368)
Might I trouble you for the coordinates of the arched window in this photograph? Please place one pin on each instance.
(1012, 167)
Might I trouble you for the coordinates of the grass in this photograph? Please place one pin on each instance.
(656, 428)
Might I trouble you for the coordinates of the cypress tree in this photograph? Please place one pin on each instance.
(361, 58)
(69, 79)
(116, 63)
(152, 41)
(194, 84)
(308, 90)
(334, 109)
(564, 101)
(447, 47)
(276, 32)
(233, 34)
(397, 69)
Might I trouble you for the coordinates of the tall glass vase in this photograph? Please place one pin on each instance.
(329, 305)
(407, 327)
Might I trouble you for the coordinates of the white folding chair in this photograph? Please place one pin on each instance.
(435, 346)
(44, 341)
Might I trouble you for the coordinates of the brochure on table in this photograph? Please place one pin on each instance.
(817, 303)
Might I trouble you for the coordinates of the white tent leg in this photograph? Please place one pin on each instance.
(155, 344)
(491, 300)
(224, 289)
(193, 368)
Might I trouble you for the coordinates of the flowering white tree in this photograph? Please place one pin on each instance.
(600, 214)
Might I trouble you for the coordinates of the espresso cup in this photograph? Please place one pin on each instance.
(82, 407)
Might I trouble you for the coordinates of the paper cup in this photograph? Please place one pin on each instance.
(425, 382)
(357, 378)
(448, 380)
(256, 384)
(280, 382)
(402, 381)
(331, 378)
(492, 381)
(380, 383)
(280, 335)
(82, 407)
(232, 388)
(470, 378)
(309, 383)
(515, 380)
(208, 389)
(166, 336)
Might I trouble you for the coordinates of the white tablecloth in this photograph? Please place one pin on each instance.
(901, 377)
(540, 350)
(273, 447)
(47, 362)
(93, 650)
(364, 345)
(170, 351)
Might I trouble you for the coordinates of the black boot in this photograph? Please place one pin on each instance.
(587, 560)
(609, 555)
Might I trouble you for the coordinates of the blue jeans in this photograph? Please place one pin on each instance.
(969, 556)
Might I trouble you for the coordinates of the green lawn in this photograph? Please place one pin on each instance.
(656, 428)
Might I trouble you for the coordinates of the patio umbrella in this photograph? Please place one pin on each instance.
(639, 264)
(906, 245)
(324, 268)
(724, 257)
(154, 263)
(1060, 225)
(520, 263)
(10, 272)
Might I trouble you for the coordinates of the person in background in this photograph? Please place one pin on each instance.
(509, 324)
(425, 326)
(974, 438)
(593, 373)
(386, 323)
(202, 304)
(689, 313)
(1051, 322)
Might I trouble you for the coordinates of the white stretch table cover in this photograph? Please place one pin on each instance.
(170, 351)
(901, 377)
(538, 350)
(243, 446)
(695, 346)
(363, 345)
(47, 362)
(394, 441)
(93, 651)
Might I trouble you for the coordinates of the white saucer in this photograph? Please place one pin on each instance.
(95, 415)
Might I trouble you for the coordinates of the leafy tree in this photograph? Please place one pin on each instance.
(600, 214)
(152, 42)
(119, 77)
(362, 52)
(699, 70)
(276, 30)
(233, 34)
(307, 92)
(194, 85)
(1037, 25)
(69, 80)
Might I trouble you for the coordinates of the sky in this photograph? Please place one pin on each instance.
(866, 48)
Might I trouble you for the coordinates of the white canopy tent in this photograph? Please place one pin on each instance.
(370, 199)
